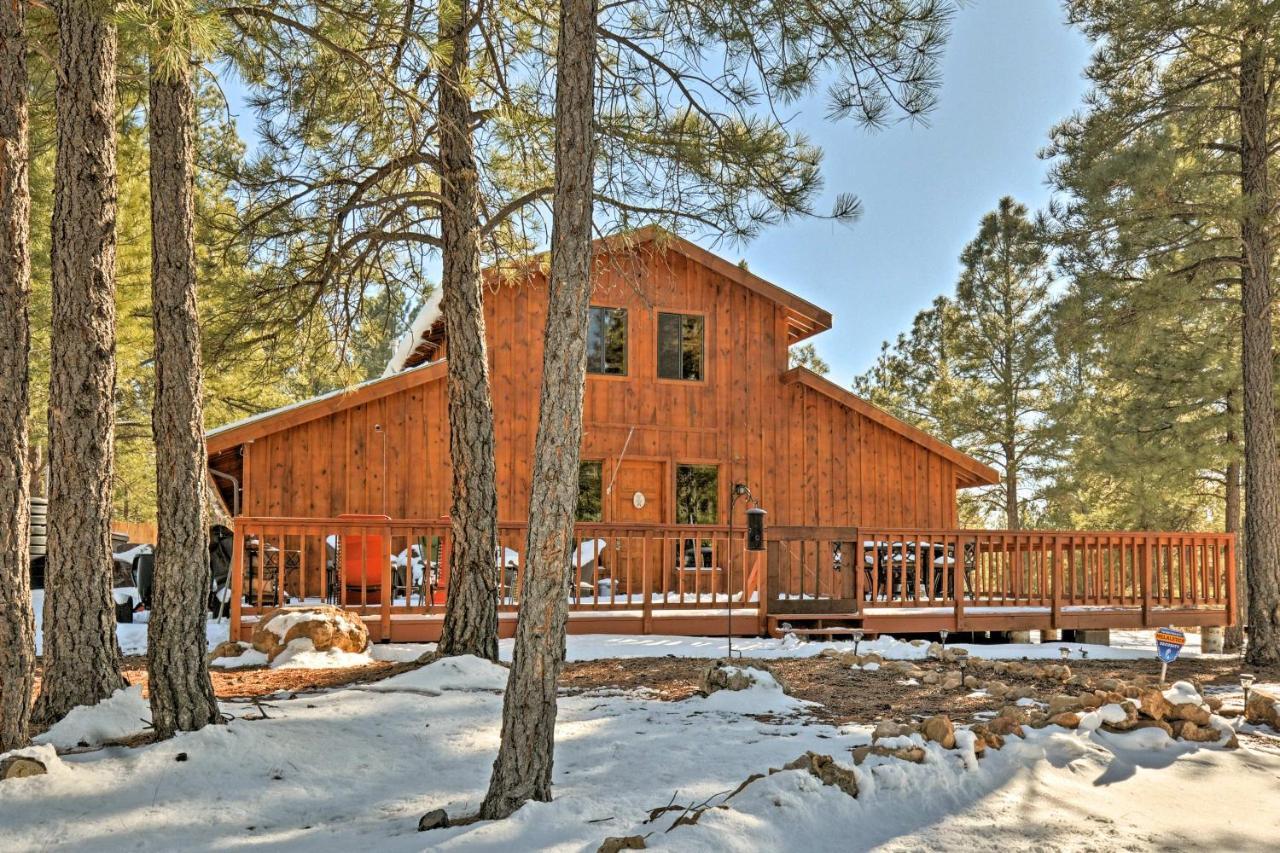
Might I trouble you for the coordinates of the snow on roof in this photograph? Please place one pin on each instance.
(427, 316)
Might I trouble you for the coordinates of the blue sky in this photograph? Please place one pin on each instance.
(1012, 69)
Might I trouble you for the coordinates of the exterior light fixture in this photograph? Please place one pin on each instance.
(1064, 652)
(1246, 682)
(856, 633)
(943, 634)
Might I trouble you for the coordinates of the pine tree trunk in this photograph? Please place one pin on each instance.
(1262, 463)
(17, 625)
(1233, 639)
(1011, 493)
(182, 696)
(81, 657)
(522, 770)
(471, 612)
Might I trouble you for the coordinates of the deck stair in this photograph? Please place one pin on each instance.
(818, 626)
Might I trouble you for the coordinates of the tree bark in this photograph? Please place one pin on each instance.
(17, 624)
(81, 657)
(522, 770)
(471, 611)
(1233, 638)
(1262, 463)
(182, 697)
(1011, 514)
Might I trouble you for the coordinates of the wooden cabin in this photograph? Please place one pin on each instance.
(688, 393)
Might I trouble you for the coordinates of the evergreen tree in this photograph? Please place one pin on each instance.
(1198, 79)
(806, 355)
(17, 623)
(81, 657)
(181, 693)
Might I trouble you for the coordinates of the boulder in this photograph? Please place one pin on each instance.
(326, 626)
(1014, 712)
(1191, 713)
(998, 689)
(952, 681)
(825, 768)
(615, 843)
(723, 675)
(986, 737)
(888, 728)
(972, 682)
(1153, 704)
(226, 649)
(1188, 730)
(934, 651)
(1263, 709)
(1140, 724)
(434, 819)
(1063, 702)
(20, 767)
(1110, 684)
(914, 754)
(931, 678)
(1004, 726)
(940, 730)
(1066, 719)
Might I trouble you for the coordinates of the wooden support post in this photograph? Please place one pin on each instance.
(1056, 612)
(646, 621)
(1231, 579)
(237, 577)
(773, 557)
(1147, 575)
(957, 582)
(388, 584)
(854, 550)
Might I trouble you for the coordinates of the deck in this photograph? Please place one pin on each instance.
(700, 580)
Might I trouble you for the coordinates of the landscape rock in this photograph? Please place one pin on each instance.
(1263, 709)
(1192, 713)
(888, 728)
(986, 736)
(326, 626)
(21, 767)
(1140, 724)
(1005, 726)
(1066, 719)
(1187, 730)
(940, 730)
(1063, 702)
(1014, 712)
(226, 649)
(972, 682)
(1153, 704)
(952, 681)
(615, 843)
(931, 678)
(914, 754)
(825, 768)
(723, 675)
(998, 689)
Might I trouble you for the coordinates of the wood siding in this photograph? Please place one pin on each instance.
(808, 457)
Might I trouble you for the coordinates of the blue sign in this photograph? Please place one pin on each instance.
(1169, 642)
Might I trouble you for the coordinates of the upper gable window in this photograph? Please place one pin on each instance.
(607, 341)
(681, 346)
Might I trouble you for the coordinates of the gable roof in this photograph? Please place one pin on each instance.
(275, 420)
(977, 473)
(804, 319)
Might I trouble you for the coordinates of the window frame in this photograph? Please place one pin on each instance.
(675, 491)
(626, 343)
(657, 345)
(577, 515)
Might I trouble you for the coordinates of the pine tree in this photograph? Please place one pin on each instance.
(81, 657)
(806, 355)
(1207, 71)
(181, 692)
(17, 623)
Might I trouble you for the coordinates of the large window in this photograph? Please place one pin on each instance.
(590, 490)
(607, 341)
(697, 494)
(680, 346)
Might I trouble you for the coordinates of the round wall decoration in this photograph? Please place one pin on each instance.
(637, 500)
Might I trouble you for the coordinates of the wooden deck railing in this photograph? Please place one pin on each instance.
(857, 570)
(389, 569)
(385, 569)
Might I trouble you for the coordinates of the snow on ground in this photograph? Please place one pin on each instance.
(124, 713)
(132, 636)
(355, 769)
(1133, 645)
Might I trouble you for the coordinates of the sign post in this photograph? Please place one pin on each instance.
(1169, 641)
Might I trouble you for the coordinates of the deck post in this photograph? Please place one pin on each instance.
(388, 585)
(1231, 579)
(646, 608)
(769, 581)
(957, 580)
(1056, 612)
(859, 570)
(1147, 575)
(237, 577)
